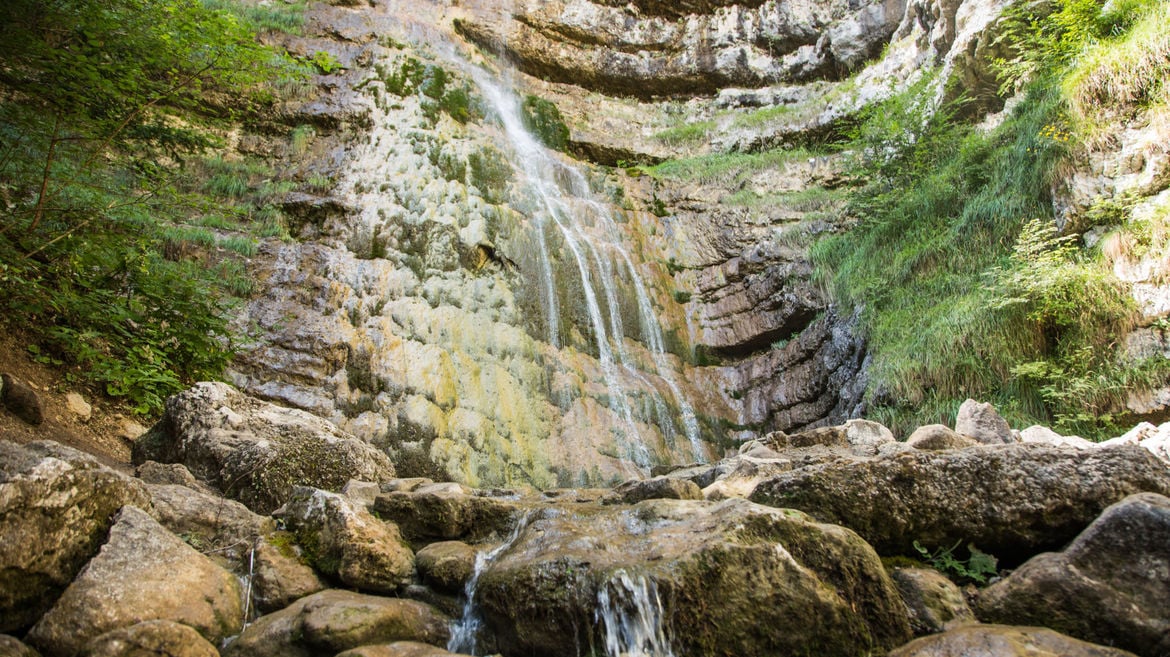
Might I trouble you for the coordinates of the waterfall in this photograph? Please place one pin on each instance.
(465, 631)
(594, 242)
(629, 612)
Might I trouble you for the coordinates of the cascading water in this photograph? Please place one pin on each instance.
(630, 614)
(595, 243)
(465, 631)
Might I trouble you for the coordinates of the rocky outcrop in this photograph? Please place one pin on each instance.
(634, 491)
(807, 583)
(347, 542)
(333, 621)
(280, 575)
(1010, 500)
(1003, 641)
(1111, 585)
(143, 572)
(157, 637)
(56, 506)
(447, 511)
(254, 451)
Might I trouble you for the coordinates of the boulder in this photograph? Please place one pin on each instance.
(333, 621)
(446, 565)
(149, 639)
(866, 437)
(280, 575)
(347, 542)
(1012, 501)
(153, 472)
(743, 475)
(1003, 641)
(207, 522)
(397, 649)
(1046, 436)
(636, 490)
(12, 647)
(937, 437)
(981, 422)
(437, 512)
(143, 572)
(1111, 585)
(77, 405)
(56, 506)
(935, 603)
(21, 400)
(738, 578)
(254, 451)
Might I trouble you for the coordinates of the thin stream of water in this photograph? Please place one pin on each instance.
(465, 631)
(630, 614)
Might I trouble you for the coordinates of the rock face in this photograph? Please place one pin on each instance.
(1111, 585)
(1010, 500)
(807, 583)
(56, 505)
(1003, 641)
(254, 451)
(143, 572)
(159, 637)
(332, 621)
(347, 542)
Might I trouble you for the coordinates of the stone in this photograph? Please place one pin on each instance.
(361, 493)
(77, 405)
(981, 422)
(333, 621)
(937, 437)
(935, 603)
(129, 430)
(742, 476)
(805, 583)
(438, 512)
(12, 647)
(446, 565)
(56, 505)
(280, 575)
(397, 649)
(1111, 585)
(347, 542)
(1011, 501)
(143, 572)
(1045, 436)
(21, 400)
(149, 639)
(1003, 641)
(636, 490)
(253, 451)
(153, 472)
(866, 437)
(207, 522)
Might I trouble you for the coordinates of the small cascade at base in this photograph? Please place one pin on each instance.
(465, 631)
(630, 614)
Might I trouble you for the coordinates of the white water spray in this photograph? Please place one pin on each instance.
(631, 617)
(465, 631)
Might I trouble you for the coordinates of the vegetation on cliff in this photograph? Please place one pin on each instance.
(119, 239)
(968, 289)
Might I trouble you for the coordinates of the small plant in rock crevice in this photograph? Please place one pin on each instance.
(977, 568)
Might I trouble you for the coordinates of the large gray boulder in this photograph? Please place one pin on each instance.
(1003, 641)
(1012, 501)
(332, 621)
(347, 542)
(56, 505)
(981, 422)
(143, 572)
(254, 451)
(722, 578)
(151, 639)
(1111, 585)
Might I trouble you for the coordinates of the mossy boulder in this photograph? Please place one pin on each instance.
(729, 578)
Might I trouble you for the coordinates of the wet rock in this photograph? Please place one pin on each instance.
(446, 565)
(77, 405)
(981, 422)
(56, 506)
(1003, 641)
(13, 647)
(1009, 500)
(21, 400)
(333, 621)
(935, 603)
(1111, 585)
(143, 572)
(208, 522)
(446, 512)
(397, 649)
(254, 451)
(149, 639)
(346, 541)
(938, 437)
(280, 575)
(636, 490)
(805, 583)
